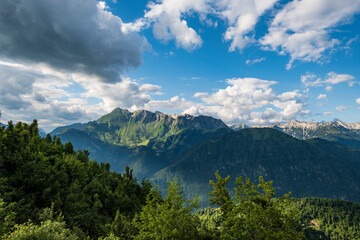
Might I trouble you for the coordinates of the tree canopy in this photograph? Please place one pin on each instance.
(50, 191)
(256, 212)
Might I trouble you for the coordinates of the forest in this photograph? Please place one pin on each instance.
(50, 191)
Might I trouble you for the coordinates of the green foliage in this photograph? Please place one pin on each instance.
(37, 173)
(210, 218)
(48, 230)
(41, 178)
(122, 227)
(170, 218)
(256, 213)
(330, 218)
(7, 217)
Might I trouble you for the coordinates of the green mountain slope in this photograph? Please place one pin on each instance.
(146, 148)
(121, 127)
(306, 168)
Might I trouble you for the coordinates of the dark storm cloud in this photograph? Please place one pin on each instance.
(12, 102)
(74, 35)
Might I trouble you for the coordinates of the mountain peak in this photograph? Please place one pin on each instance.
(123, 127)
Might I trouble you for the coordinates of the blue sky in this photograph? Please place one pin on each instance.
(245, 61)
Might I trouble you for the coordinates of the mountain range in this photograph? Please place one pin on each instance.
(346, 133)
(297, 156)
(145, 141)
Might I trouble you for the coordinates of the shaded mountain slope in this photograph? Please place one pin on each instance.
(306, 168)
(77, 126)
(144, 160)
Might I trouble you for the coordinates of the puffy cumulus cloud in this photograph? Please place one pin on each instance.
(38, 91)
(125, 94)
(72, 35)
(311, 80)
(252, 101)
(59, 97)
(341, 108)
(174, 104)
(242, 16)
(322, 96)
(303, 27)
(168, 18)
(358, 101)
(169, 22)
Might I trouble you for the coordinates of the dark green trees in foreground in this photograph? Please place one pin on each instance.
(49, 191)
(39, 173)
(256, 213)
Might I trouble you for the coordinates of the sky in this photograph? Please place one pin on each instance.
(255, 62)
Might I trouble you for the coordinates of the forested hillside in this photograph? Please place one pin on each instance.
(49, 191)
(40, 173)
(161, 146)
(309, 168)
(320, 218)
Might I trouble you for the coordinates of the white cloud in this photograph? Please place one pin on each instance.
(311, 80)
(168, 18)
(327, 113)
(303, 28)
(47, 94)
(328, 88)
(341, 108)
(173, 104)
(358, 101)
(125, 94)
(322, 96)
(169, 22)
(41, 92)
(243, 100)
(256, 60)
(242, 16)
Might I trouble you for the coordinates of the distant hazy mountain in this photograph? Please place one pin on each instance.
(306, 168)
(238, 127)
(77, 126)
(42, 132)
(346, 133)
